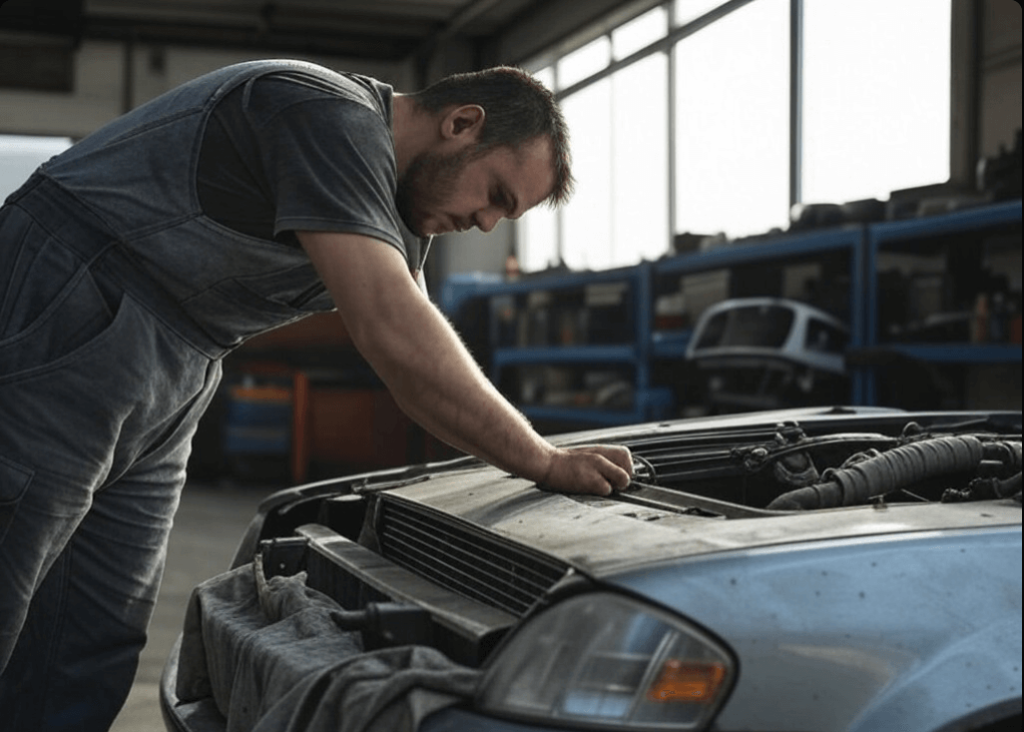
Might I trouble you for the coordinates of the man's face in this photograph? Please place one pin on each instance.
(443, 192)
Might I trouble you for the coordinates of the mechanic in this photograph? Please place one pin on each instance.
(132, 263)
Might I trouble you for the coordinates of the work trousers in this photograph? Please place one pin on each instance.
(102, 383)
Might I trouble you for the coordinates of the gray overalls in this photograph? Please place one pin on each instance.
(118, 298)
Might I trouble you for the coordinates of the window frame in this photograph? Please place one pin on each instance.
(668, 45)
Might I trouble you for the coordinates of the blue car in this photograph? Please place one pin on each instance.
(814, 570)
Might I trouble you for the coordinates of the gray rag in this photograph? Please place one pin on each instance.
(273, 660)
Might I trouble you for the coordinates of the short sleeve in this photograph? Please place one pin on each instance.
(329, 159)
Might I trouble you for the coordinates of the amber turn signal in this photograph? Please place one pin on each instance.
(685, 682)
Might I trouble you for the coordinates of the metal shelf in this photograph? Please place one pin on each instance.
(906, 236)
(801, 245)
(958, 353)
(971, 219)
(564, 355)
(670, 343)
(760, 249)
(860, 242)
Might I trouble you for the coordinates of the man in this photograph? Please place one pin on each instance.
(133, 262)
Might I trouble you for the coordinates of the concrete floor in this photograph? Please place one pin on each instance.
(209, 524)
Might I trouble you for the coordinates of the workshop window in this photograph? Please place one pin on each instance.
(620, 154)
(20, 155)
(587, 61)
(586, 220)
(640, 162)
(732, 124)
(537, 231)
(876, 98)
(639, 33)
(686, 127)
(687, 11)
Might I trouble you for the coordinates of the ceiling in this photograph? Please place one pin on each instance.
(385, 30)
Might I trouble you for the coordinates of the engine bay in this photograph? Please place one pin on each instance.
(795, 466)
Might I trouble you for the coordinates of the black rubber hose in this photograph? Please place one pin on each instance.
(1008, 453)
(897, 468)
(1009, 487)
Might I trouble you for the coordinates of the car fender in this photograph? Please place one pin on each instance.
(876, 633)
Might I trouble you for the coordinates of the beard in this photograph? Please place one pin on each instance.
(425, 186)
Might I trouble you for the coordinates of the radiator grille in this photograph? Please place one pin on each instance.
(465, 561)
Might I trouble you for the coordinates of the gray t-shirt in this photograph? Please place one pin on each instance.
(301, 150)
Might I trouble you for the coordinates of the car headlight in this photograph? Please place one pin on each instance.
(605, 661)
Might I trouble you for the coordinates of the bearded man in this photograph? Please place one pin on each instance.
(132, 263)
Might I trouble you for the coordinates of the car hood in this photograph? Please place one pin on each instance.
(606, 536)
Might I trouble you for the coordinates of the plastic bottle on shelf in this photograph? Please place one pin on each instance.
(512, 270)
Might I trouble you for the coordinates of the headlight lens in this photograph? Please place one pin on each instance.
(602, 660)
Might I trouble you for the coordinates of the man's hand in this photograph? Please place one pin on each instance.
(432, 376)
(595, 469)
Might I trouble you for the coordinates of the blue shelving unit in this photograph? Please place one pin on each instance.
(670, 343)
(910, 236)
(564, 355)
(631, 352)
(464, 286)
(966, 353)
(780, 248)
(643, 345)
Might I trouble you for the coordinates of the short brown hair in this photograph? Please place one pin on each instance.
(519, 109)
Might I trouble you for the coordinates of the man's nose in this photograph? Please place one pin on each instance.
(487, 219)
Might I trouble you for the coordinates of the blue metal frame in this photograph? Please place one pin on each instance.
(459, 288)
(649, 403)
(775, 248)
(862, 242)
(906, 232)
(563, 355)
(966, 353)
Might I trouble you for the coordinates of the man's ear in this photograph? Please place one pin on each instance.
(465, 120)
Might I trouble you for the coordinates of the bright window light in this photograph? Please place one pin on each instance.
(20, 155)
(875, 118)
(640, 162)
(537, 229)
(537, 233)
(876, 98)
(546, 76)
(585, 62)
(689, 10)
(732, 123)
(639, 33)
(586, 222)
(619, 214)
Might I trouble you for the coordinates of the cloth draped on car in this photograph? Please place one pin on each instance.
(273, 659)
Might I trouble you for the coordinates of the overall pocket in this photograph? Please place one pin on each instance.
(75, 316)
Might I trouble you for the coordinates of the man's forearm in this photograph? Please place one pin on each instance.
(449, 396)
(435, 379)
(421, 359)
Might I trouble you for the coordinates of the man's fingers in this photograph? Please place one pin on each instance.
(619, 478)
(623, 458)
(596, 469)
(618, 455)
